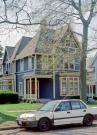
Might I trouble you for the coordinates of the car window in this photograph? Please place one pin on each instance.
(83, 106)
(64, 106)
(75, 105)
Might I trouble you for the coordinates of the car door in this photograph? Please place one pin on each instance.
(62, 113)
(78, 111)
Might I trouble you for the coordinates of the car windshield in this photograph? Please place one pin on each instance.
(48, 106)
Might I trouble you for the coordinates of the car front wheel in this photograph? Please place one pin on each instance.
(88, 120)
(44, 124)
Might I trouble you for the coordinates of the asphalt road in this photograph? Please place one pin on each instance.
(64, 130)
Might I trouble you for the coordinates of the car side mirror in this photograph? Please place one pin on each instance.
(57, 109)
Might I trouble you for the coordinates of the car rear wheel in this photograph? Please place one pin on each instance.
(44, 124)
(88, 120)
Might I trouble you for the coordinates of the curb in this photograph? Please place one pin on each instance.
(9, 128)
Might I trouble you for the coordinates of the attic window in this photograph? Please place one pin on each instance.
(67, 42)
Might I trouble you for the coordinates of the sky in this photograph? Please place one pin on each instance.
(9, 37)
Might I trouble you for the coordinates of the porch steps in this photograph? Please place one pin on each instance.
(42, 100)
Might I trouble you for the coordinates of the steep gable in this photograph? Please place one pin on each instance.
(8, 53)
(23, 42)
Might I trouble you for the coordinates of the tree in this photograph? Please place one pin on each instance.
(61, 11)
(84, 11)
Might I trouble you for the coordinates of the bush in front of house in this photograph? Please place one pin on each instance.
(7, 96)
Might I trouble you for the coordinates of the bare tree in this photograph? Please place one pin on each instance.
(21, 13)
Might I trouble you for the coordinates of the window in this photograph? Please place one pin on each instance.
(45, 62)
(70, 86)
(21, 65)
(39, 61)
(75, 105)
(69, 63)
(63, 106)
(31, 63)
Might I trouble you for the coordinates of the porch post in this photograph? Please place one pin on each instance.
(35, 88)
(89, 89)
(30, 88)
(24, 88)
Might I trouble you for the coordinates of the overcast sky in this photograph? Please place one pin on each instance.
(9, 37)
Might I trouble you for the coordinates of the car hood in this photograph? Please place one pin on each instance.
(32, 114)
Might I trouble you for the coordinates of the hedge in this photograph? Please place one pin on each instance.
(8, 97)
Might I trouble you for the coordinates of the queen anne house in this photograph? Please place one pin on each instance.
(45, 66)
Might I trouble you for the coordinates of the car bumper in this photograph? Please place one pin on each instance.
(25, 123)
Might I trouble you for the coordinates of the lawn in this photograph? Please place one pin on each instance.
(9, 112)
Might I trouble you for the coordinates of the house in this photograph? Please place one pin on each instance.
(92, 73)
(8, 79)
(45, 66)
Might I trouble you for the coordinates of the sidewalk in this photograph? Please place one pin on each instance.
(8, 125)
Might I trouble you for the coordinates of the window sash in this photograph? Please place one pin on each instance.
(70, 86)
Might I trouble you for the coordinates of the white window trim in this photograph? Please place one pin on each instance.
(29, 63)
(21, 65)
(68, 86)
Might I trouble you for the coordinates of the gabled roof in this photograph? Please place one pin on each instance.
(23, 42)
(43, 41)
(8, 52)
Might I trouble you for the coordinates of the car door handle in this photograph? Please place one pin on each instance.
(84, 110)
(68, 112)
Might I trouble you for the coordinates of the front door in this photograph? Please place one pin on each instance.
(33, 92)
(62, 113)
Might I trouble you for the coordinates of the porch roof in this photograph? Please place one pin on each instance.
(38, 76)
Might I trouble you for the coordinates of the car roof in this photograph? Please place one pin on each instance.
(68, 100)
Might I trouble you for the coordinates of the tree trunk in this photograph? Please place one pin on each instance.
(83, 85)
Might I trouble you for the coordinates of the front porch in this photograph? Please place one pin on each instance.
(38, 87)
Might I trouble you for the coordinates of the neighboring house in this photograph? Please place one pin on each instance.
(92, 73)
(46, 66)
(8, 80)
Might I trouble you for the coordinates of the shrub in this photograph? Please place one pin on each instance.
(95, 97)
(7, 96)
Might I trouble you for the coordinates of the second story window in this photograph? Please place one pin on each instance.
(22, 65)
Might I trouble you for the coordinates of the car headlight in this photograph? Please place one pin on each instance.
(31, 118)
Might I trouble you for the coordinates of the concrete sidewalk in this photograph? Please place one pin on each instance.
(8, 125)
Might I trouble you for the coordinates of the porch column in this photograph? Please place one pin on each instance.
(30, 88)
(35, 88)
(24, 88)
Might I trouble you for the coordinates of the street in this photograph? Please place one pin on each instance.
(64, 130)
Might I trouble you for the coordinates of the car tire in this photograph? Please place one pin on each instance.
(44, 124)
(88, 120)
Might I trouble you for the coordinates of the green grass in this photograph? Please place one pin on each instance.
(9, 112)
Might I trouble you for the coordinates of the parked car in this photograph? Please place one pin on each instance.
(58, 112)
